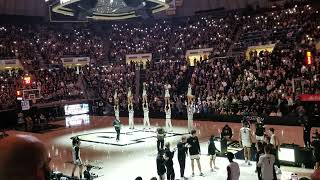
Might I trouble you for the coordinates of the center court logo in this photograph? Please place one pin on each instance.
(127, 137)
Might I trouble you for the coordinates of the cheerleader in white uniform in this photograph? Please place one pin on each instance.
(116, 111)
(189, 94)
(146, 120)
(167, 94)
(129, 96)
(190, 111)
(168, 118)
(131, 115)
(115, 97)
(77, 162)
(144, 93)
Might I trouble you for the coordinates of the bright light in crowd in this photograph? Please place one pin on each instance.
(308, 58)
(27, 80)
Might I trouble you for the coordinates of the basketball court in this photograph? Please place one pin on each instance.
(135, 154)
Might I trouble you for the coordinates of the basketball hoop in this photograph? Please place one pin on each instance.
(31, 95)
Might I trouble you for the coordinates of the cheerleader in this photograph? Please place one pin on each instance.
(146, 121)
(115, 97)
(190, 112)
(168, 118)
(167, 94)
(76, 156)
(116, 111)
(129, 96)
(189, 94)
(144, 93)
(131, 115)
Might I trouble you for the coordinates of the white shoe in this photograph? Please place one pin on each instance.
(216, 167)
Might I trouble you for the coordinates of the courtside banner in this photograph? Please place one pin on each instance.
(309, 97)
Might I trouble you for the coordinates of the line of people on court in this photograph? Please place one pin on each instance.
(165, 156)
(267, 162)
(191, 146)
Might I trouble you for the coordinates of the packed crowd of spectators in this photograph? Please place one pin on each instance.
(77, 40)
(49, 43)
(274, 26)
(107, 79)
(171, 38)
(53, 84)
(229, 85)
(9, 85)
(261, 85)
(58, 84)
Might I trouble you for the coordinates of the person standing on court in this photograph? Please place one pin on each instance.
(168, 156)
(246, 142)
(266, 163)
(274, 140)
(260, 152)
(194, 151)
(233, 169)
(260, 129)
(182, 153)
(77, 162)
(316, 150)
(117, 127)
(306, 133)
(226, 135)
(212, 152)
(161, 167)
(161, 134)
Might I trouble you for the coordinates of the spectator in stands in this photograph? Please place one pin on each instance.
(24, 157)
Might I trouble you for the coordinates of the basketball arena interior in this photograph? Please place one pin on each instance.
(159, 89)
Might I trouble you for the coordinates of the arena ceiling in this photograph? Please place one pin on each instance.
(109, 9)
